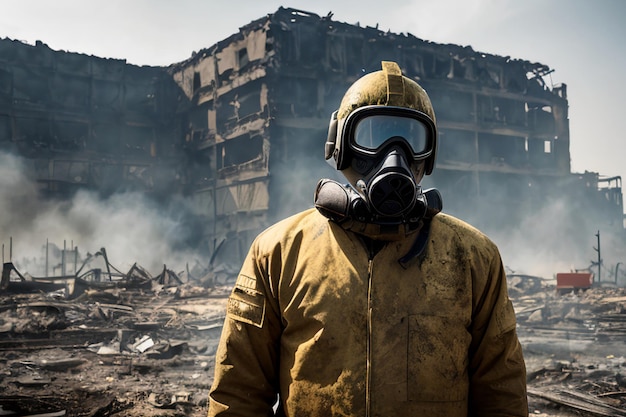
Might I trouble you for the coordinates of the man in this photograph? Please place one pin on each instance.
(373, 303)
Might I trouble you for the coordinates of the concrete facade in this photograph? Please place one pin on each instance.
(239, 127)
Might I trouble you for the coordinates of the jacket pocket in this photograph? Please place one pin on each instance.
(437, 359)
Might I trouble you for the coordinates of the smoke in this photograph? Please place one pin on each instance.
(557, 236)
(131, 227)
(545, 242)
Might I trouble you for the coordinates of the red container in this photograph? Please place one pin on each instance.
(574, 280)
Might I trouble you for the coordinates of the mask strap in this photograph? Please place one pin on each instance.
(435, 204)
(418, 245)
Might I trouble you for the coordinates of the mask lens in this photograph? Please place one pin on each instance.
(374, 131)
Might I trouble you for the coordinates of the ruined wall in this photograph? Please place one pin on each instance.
(500, 127)
(227, 139)
(263, 97)
(88, 122)
(239, 127)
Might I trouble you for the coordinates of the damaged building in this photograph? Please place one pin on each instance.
(238, 130)
(239, 127)
(87, 122)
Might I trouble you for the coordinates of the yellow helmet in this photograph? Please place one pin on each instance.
(384, 98)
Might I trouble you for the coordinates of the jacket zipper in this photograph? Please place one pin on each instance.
(368, 372)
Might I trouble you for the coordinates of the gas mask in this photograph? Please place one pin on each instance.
(383, 151)
(383, 139)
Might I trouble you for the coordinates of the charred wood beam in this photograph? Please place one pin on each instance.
(578, 401)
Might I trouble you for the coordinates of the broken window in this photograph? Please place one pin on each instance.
(443, 67)
(302, 44)
(269, 41)
(412, 62)
(242, 58)
(496, 74)
(560, 152)
(489, 75)
(33, 132)
(440, 66)
(540, 118)
(239, 150)
(211, 119)
(196, 82)
(501, 111)
(140, 96)
(428, 63)
(346, 54)
(198, 120)
(137, 141)
(501, 150)
(335, 55)
(310, 48)
(201, 165)
(69, 136)
(515, 77)
(248, 101)
(540, 152)
(288, 46)
(458, 69)
(227, 110)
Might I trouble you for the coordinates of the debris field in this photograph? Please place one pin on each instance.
(144, 346)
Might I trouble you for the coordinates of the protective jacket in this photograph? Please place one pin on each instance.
(335, 329)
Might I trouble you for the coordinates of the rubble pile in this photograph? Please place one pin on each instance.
(590, 387)
(109, 348)
(575, 347)
(144, 346)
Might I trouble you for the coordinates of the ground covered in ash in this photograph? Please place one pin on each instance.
(148, 350)
(111, 351)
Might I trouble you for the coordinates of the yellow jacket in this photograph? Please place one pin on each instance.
(334, 331)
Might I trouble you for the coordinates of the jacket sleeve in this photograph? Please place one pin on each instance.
(246, 361)
(497, 368)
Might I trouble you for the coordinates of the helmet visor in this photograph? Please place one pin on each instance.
(376, 128)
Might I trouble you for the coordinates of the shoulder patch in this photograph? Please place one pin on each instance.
(246, 303)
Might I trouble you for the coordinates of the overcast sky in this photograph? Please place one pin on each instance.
(581, 40)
